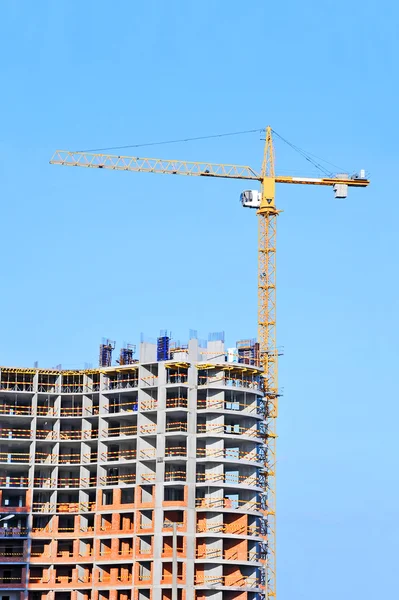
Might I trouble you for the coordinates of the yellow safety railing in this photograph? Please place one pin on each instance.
(11, 409)
(175, 476)
(176, 426)
(228, 503)
(43, 507)
(69, 458)
(13, 532)
(226, 580)
(207, 553)
(148, 453)
(39, 580)
(92, 410)
(176, 451)
(42, 434)
(149, 404)
(105, 578)
(250, 480)
(118, 454)
(14, 481)
(71, 388)
(73, 507)
(219, 404)
(49, 388)
(16, 386)
(148, 429)
(115, 384)
(177, 378)
(44, 482)
(47, 411)
(228, 454)
(215, 428)
(130, 403)
(15, 457)
(46, 529)
(241, 382)
(150, 380)
(15, 433)
(209, 580)
(71, 412)
(45, 457)
(116, 431)
(128, 552)
(176, 402)
(169, 524)
(70, 434)
(146, 552)
(231, 529)
(129, 478)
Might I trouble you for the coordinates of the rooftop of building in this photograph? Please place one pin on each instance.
(210, 352)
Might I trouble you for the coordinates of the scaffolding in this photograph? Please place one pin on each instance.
(163, 343)
(126, 355)
(248, 352)
(106, 348)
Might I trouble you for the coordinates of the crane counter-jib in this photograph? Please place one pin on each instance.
(351, 182)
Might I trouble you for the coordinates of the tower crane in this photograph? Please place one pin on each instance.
(263, 201)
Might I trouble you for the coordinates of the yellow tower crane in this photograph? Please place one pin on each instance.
(264, 203)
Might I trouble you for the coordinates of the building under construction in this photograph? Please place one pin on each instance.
(140, 481)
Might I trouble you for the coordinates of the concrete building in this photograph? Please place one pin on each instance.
(141, 481)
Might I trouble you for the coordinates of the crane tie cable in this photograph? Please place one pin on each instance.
(192, 139)
(306, 155)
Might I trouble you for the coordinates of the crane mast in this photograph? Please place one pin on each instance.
(267, 225)
(264, 203)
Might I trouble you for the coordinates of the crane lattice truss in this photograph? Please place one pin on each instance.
(267, 213)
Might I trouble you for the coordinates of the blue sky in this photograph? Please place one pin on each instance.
(88, 254)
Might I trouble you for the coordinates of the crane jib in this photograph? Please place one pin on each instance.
(179, 167)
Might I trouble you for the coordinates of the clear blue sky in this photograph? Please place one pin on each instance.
(88, 254)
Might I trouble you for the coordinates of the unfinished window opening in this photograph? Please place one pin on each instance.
(145, 544)
(146, 519)
(144, 571)
(176, 397)
(175, 448)
(175, 423)
(173, 516)
(175, 472)
(127, 496)
(174, 494)
(147, 493)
